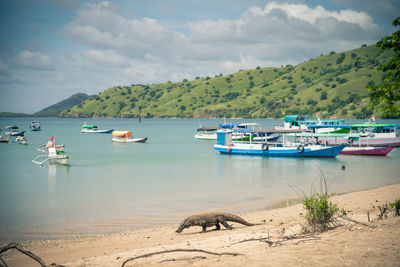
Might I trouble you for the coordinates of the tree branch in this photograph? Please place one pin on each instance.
(179, 250)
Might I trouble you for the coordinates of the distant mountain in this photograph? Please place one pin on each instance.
(332, 85)
(54, 110)
(12, 114)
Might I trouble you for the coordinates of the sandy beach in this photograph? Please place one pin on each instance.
(276, 241)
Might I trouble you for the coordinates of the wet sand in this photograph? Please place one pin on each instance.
(349, 244)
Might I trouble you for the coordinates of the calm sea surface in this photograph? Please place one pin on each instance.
(111, 187)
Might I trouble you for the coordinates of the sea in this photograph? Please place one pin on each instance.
(112, 187)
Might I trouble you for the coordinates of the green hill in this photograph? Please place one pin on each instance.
(54, 110)
(332, 85)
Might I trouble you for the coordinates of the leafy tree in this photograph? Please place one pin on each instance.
(386, 95)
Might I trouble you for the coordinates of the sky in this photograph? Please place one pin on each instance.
(52, 49)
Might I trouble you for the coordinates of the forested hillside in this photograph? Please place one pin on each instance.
(332, 85)
(54, 110)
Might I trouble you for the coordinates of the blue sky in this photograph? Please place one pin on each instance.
(51, 49)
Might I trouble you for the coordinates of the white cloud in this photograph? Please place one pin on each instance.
(106, 57)
(275, 35)
(34, 60)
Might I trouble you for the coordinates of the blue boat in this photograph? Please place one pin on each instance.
(13, 131)
(284, 148)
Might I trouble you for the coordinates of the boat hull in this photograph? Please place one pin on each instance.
(129, 140)
(97, 131)
(366, 151)
(256, 150)
(20, 133)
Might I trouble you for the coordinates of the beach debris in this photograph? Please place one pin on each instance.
(180, 250)
(210, 219)
(19, 248)
(383, 210)
(297, 238)
(355, 221)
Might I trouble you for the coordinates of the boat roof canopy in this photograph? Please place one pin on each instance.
(11, 127)
(207, 128)
(281, 131)
(87, 126)
(122, 134)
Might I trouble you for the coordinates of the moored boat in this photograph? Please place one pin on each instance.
(366, 151)
(13, 131)
(296, 122)
(3, 137)
(206, 133)
(285, 148)
(375, 135)
(35, 126)
(53, 154)
(126, 137)
(87, 128)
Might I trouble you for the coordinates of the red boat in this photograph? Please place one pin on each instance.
(366, 150)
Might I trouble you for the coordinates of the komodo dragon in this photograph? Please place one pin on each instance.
(210, 219)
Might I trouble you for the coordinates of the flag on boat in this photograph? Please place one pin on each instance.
(52, 138)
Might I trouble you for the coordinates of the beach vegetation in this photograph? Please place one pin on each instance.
(385, 96)
(396, 206)
(320, 211)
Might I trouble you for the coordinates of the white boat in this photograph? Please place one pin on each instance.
(303, 122)
(240, 131)
(87, 128)
(126, 137)
(206, 133)
(59, 148)
(52, 157)
(35, 126)
(375, 135)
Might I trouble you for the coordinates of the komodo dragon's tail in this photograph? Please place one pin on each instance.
(235, 218)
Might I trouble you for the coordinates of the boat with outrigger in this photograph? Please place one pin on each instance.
(282, 148)
(89, 128)
(53, 154)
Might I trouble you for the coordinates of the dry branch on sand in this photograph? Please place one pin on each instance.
(179, 250)
(19, 248)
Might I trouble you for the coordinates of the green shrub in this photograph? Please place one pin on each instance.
(396, 205)
(320, 211)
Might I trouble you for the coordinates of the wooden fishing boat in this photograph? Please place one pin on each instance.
(87, 128)
(126, 137)
(285, 148)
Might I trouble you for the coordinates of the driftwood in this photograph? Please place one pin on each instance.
(185, 259)
(383, 210)
(355, 221)
(18, 247)
(179, 250)
(299, 238)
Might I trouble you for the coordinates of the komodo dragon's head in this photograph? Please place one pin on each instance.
(183, 225)
(189, 221)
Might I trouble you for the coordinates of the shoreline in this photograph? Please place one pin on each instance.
(113, 249)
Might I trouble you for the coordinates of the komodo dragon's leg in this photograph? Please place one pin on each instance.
(224, 223)
(217, 226)
(204, 228)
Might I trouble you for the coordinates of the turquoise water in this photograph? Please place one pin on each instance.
(112, 187)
